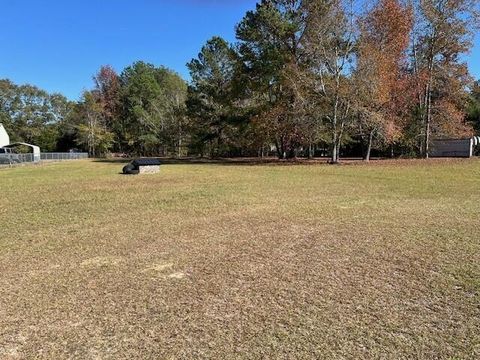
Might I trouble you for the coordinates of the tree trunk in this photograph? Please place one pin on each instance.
(362, 146)
(279, 149)
(179, 144)
(369, 147)
(284, 149)
(428, 107)
(293, 153)
(335, 143)
(310, 151)
(334, 159)
(428, 124)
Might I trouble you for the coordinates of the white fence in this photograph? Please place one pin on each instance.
(12, 159)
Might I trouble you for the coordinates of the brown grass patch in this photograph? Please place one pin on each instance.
(212, 261)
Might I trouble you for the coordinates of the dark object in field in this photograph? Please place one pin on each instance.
(130, 169)
(146, 162)
(142, 166)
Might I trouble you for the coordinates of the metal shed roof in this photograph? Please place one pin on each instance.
(34, 147)
(146, 162)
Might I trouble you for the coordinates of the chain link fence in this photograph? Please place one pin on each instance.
(63, 156)
(15, 159)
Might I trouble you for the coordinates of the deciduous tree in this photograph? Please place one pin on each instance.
(152, 103)
(330, 40)
(378, 77)
(92, 131)
(443, 33)
(32, 115)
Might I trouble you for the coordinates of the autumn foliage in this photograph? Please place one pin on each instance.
(303, 78)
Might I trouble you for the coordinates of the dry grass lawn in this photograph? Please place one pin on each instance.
(241, 262)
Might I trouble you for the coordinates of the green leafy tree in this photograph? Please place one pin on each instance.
(173, 111)
(473, 111)
(92, 132)
(140, 93)
(153, 101)
(32, 115)
(210, 98)
(270, 48)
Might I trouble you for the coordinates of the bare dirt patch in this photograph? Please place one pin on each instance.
(101, 261)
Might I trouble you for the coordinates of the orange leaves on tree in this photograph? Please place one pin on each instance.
(384, 39)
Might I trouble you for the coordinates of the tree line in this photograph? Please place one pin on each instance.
(303, 78)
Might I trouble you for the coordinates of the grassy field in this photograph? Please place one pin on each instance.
(237, 261)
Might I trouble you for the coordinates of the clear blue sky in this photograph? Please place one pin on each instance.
(59, 44)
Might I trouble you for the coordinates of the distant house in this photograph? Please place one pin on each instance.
(4, 138)
(454, 147)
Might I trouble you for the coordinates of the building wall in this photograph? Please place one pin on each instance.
(452, 148)
(4, 138)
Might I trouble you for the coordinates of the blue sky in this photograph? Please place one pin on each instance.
(58, 45)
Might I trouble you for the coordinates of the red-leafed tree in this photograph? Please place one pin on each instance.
(108, 94)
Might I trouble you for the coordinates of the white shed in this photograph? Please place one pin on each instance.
(4, 138)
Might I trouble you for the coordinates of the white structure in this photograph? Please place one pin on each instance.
(36, 155)
(5, 142)
(4, 138)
